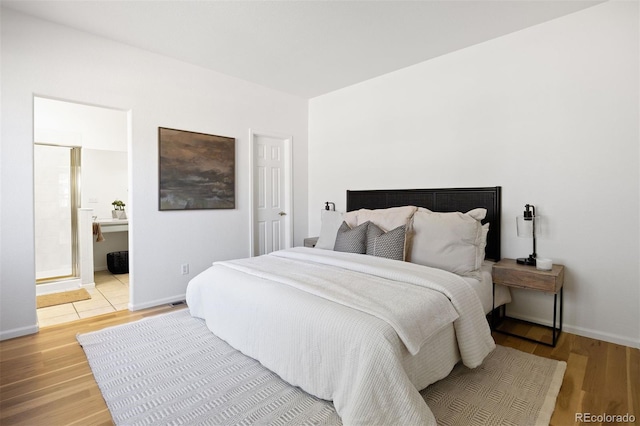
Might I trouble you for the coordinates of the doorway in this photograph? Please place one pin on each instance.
(80, 168)
(272, 215)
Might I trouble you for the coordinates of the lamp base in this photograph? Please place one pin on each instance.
(530, 261)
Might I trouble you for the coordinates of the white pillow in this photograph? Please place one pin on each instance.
(330, 222)
(387, 219)
(351, 218)
(451, 241)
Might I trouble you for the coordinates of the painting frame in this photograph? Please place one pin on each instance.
(196, 171)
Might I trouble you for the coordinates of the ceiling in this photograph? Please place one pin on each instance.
(305, 48)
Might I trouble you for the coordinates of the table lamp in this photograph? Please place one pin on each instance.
(526, 226)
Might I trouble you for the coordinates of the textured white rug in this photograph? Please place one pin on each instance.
(170, 369)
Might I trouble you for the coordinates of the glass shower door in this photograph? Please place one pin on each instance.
(56, 174)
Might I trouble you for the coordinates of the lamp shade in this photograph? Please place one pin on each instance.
(526, 226)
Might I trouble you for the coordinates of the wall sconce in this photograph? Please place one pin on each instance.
(329, 206)
(526, 226)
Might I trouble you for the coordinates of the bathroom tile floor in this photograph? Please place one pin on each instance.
(110, 294)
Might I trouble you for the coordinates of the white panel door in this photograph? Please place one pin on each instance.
(271, 179)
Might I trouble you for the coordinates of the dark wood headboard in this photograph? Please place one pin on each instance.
(439, 200)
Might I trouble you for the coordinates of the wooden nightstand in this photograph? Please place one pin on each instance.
(509, 273)
(310, 242)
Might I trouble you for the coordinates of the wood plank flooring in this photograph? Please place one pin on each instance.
(601, 377)
(45, 378)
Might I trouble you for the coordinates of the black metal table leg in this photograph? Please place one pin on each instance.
(556, 329)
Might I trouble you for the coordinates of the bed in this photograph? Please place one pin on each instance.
(367, 331)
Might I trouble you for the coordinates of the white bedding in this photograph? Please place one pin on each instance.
(484, 288)
(344, 348)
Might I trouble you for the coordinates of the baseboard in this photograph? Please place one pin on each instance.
(599, 335)
(157, 302)
(584, 332)
(18, 332)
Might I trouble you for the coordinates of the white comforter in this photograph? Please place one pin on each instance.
(302, 314)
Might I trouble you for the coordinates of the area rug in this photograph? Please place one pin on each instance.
(61, 298)
(170, 369)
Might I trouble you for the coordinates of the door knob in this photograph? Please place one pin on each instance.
(282, 214)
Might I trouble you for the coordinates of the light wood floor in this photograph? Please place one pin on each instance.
(45, 378)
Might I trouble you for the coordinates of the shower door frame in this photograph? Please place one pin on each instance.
(75, 153)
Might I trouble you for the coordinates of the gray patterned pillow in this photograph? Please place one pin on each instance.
(386, 244)
(352, 240)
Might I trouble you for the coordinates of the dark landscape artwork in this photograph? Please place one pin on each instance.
(197, 171)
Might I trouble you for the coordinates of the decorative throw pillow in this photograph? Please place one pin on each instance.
(386, 244)
(352, 240)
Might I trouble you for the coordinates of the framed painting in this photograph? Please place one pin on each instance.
(197, 171)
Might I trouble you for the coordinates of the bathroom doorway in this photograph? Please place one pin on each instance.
(80, 169)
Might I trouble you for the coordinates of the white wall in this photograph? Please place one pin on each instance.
(68, 123)
(104, 180)
(549, 113)
(44, 59)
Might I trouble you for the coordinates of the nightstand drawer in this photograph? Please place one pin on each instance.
(508, 272)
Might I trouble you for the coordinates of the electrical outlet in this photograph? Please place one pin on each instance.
(184, 269)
